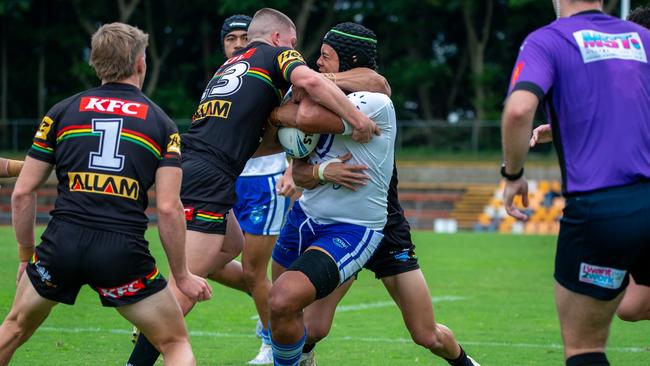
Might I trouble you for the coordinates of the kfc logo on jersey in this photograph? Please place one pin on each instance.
(114, 106)
(129, 289)
(598, 46)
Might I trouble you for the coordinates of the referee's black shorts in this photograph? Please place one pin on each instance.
(118, 266)
(605, 237)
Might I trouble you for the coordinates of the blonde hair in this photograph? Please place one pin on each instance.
(115, 50)
(267, 21)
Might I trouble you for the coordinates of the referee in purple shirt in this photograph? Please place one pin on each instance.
(590, 74)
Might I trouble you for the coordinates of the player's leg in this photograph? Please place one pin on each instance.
(160, 319)
(201, 252)
(318, 318)
(412, 296)
(28, 312)
(585, 323)
(228, 271)
(635, 305)
(255, 261)
(290, 294)
(603, 239)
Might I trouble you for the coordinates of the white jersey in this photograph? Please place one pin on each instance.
(265, 165)
(329, 203)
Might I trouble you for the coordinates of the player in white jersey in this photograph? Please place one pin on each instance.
(335, 229)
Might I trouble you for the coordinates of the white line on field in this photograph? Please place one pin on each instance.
(200, 333)
(384, 304)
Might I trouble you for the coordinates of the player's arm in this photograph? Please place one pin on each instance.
(171, 228)
(23, 207)
(327, 94)
(516, 125)
(307, 116)
(360, 79)
(10, 168)
(347, 175)
(270, 144)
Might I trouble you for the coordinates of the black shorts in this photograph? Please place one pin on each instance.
(605, 237)
(208, 193)
(118, 266)
(396, 252)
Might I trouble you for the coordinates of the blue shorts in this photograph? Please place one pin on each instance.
(350, 246)
(259, 209)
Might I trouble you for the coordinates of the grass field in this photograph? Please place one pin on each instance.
(494, 291)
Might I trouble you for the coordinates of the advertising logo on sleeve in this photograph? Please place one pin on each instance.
(174, 145)
(598, 46)
(119, 107)
(288, 58)
(44, 128)
(601, 276)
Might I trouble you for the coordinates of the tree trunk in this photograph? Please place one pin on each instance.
(476, 48)
(126, 8)
(157, 58)
(301, 21)
(309, 51)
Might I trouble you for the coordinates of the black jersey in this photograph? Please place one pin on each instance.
(397, 228)
(230, 120)
(107, 144)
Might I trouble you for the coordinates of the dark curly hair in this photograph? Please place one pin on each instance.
(640, 16)
(355, 45)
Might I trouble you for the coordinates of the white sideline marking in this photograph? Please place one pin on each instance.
(383, 304)
(200, 333)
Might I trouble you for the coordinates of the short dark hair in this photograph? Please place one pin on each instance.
(355, 45)
(640, 16)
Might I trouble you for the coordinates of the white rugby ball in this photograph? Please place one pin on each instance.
(296, 143)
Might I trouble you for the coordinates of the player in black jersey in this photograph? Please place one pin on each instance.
(109, 145)
(230, 121)
(394, 261)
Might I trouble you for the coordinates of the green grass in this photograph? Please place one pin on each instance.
(506, 315)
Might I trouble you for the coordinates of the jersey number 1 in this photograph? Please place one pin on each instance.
(106, 158)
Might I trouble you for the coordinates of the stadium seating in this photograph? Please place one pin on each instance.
(544, 211)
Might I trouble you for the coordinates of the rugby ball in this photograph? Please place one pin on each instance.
(296, 143)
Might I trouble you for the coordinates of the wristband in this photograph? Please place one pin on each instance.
(4, 167)
(25, 253)
(347, 128)
(323, 165)
(14, 167)
(511, 177)
(273, 118)
(314, 171)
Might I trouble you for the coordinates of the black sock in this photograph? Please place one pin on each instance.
(461, 360)
(308, 347)
(588, 359)
(144, 353)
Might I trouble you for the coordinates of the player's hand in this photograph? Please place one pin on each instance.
(350, 176)
(363, 129)
(194, 287)
(21, 269)
(298, 94)
(518, 187)
(541, 135)
(285, 185)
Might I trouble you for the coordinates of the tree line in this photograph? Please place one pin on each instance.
(442, 57)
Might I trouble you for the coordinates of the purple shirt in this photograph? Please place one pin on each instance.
(592, 75)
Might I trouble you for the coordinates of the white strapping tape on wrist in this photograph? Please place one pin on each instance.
(323, 165)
